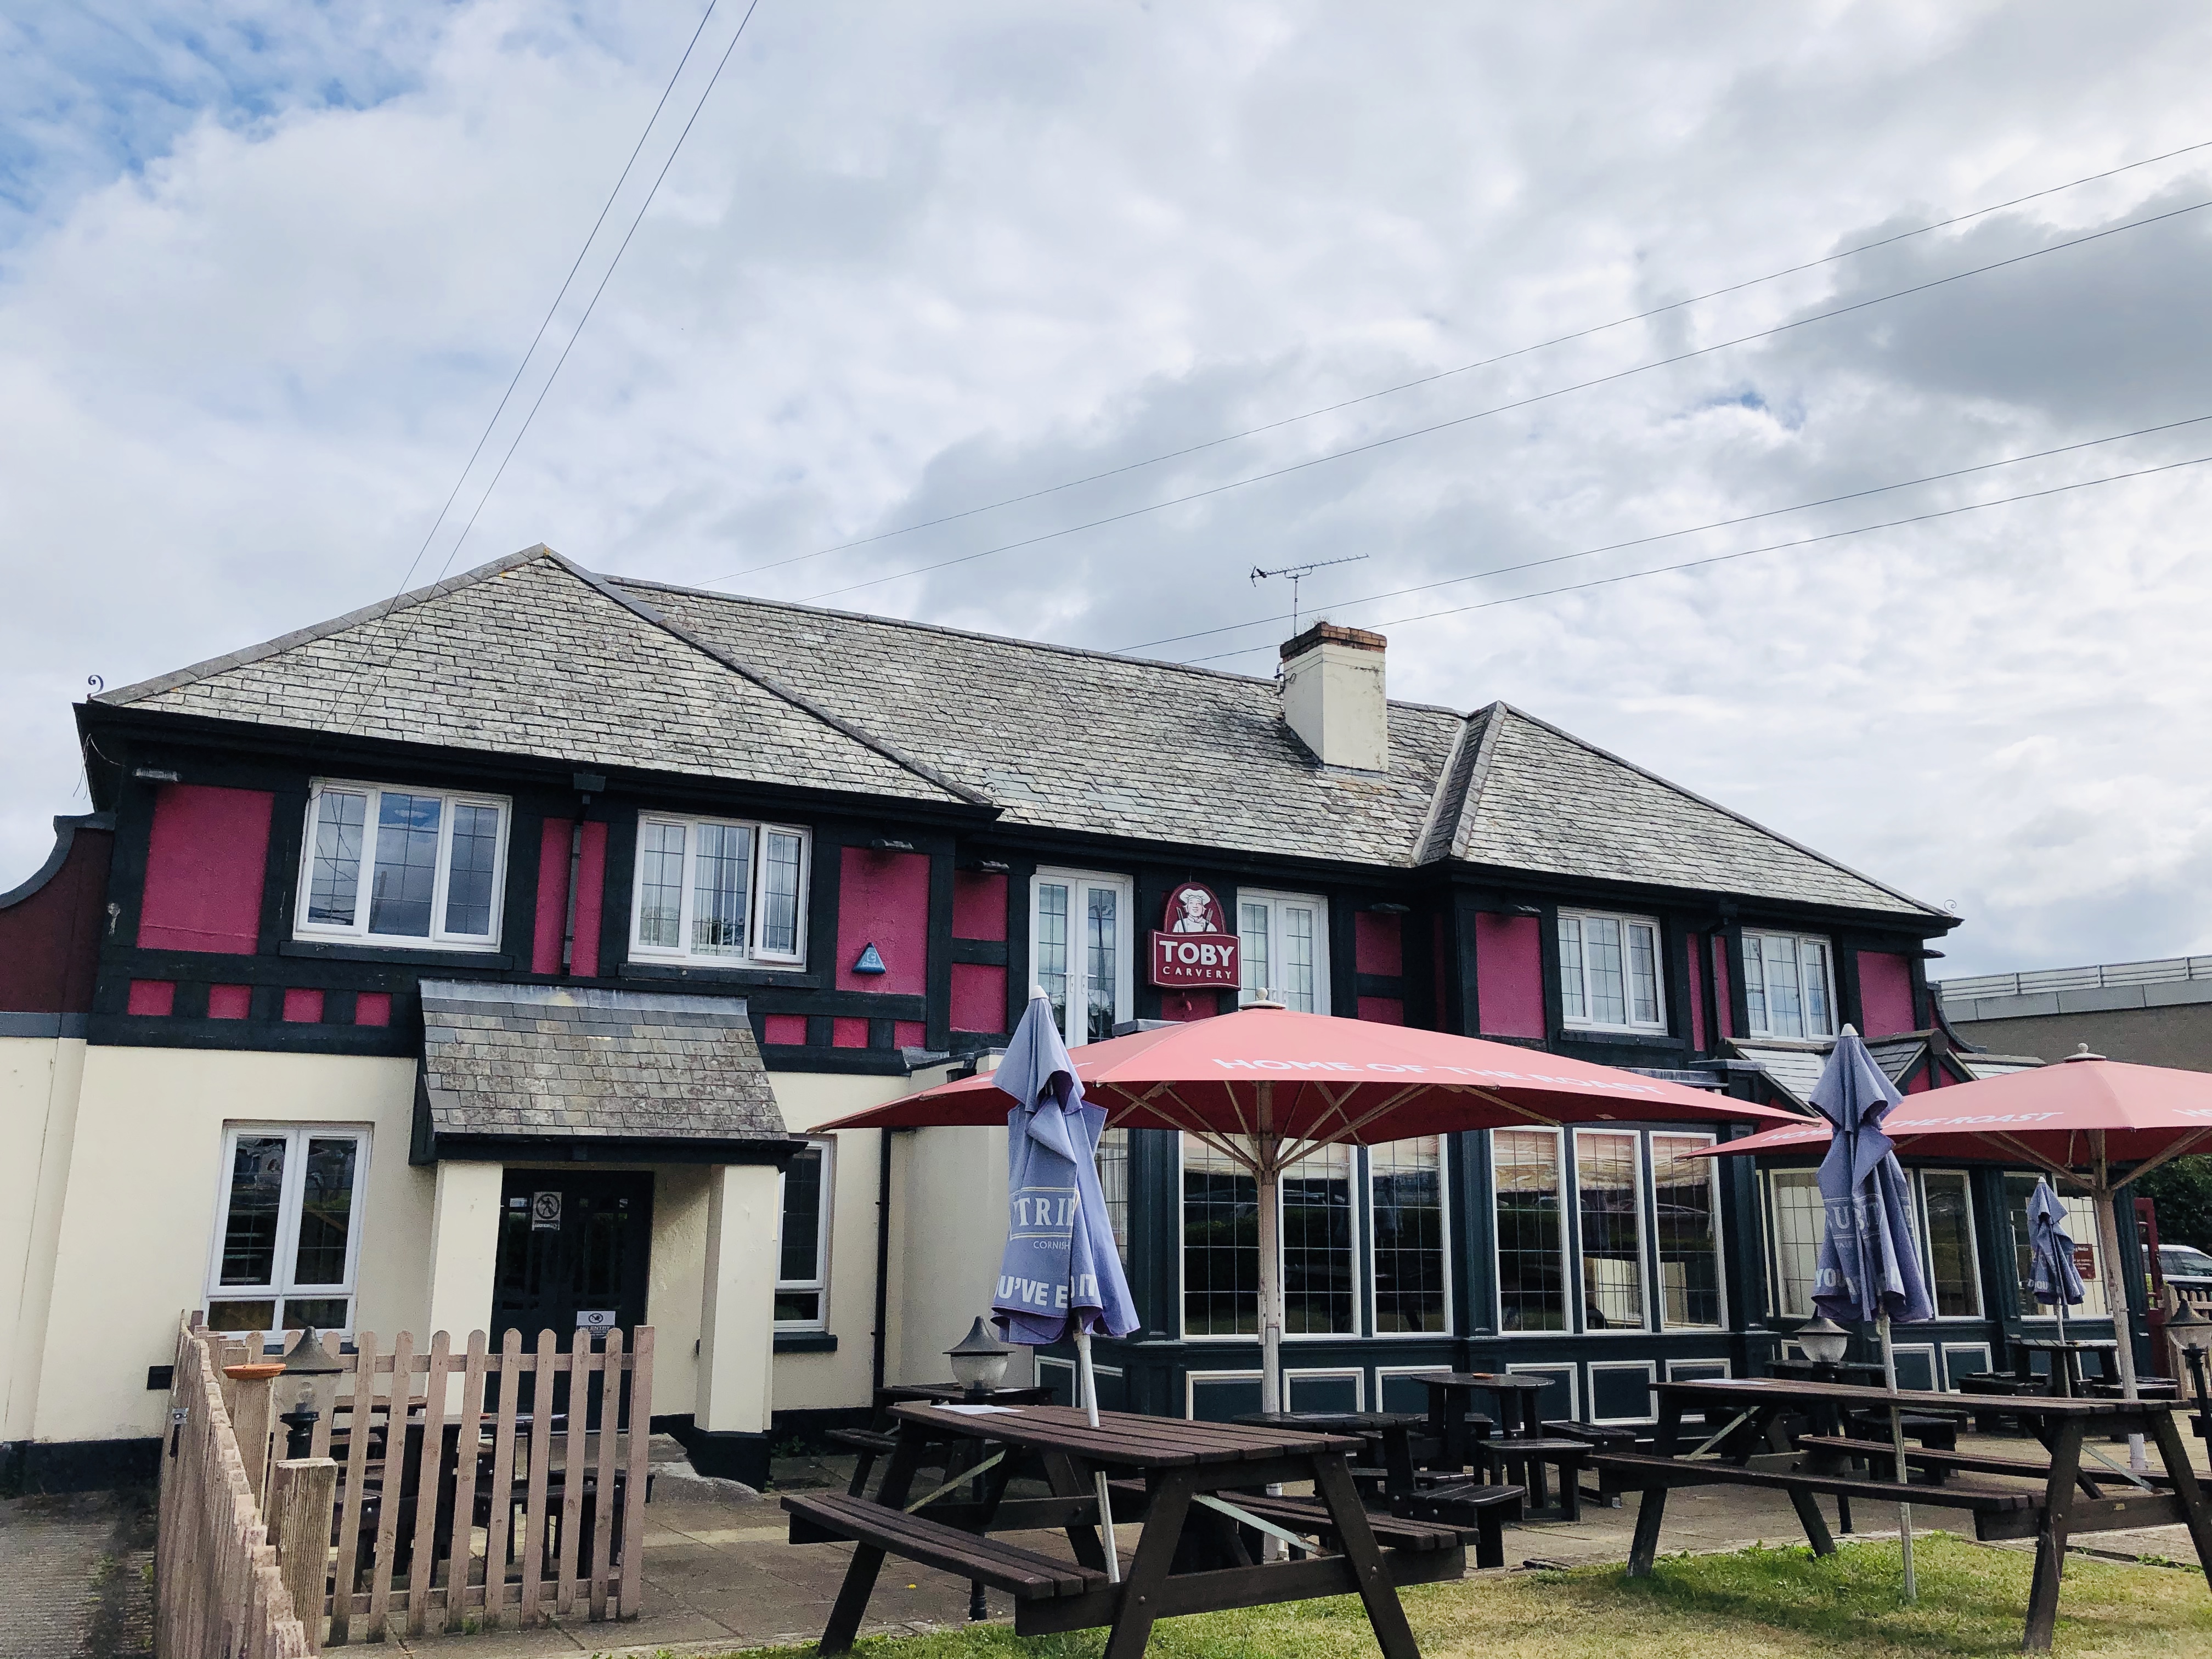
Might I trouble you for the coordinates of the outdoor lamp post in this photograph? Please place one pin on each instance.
(316, 1371)
(2192, 1334)
(978, 1361)
(1825, 1341)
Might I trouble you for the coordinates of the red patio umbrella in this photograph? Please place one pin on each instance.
(2077, 1122)
(1265, 1087)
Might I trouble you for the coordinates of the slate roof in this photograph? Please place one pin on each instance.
(531, 655)
(550, 1059)
(1796, 1068)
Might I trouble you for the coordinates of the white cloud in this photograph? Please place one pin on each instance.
(267, 273)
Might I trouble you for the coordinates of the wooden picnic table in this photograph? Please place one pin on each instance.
(1197, 1487)
(1748, 1449)
(1453, 1419)
(2066, 1357)
(1393, 1430)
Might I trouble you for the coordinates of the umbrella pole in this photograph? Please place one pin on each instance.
(1089, 1378)
(1897, 1444)
(2116, 1293)
(1270, 1195)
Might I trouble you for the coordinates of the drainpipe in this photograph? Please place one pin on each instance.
(882, 1251)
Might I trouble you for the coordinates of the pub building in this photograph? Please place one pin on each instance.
(488, 960)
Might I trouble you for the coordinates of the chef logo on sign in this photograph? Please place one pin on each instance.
(1194, 947)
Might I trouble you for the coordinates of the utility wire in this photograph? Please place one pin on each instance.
(1463, 368)
(1746, 553)
(1504, 408)
(1668, 535)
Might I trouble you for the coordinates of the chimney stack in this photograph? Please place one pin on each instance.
(1333, 695)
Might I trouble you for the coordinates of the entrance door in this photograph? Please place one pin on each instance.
(575, 1249)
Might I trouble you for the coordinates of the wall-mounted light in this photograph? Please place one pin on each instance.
(155, 775)
(885, 844)
(1389, 909)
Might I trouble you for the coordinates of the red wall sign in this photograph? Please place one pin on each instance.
(1194, 947)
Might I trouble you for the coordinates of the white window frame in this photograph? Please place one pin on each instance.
(438, 938)
(753, 956)
(1443, 1205)
(1078, 981)
(1919, 1190)
(283, 1288)
(1641, 1166)
(2082, 1228)
(1720, 1231)
(1798, 941)
(1358, 1227)
(820, 1284)
(1584, 1022)
(1276, 902)
(1771, 1239)
(1569, 1243)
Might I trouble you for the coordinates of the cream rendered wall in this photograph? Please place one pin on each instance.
(138, 1222)
(39, 1082)
(951, 1235)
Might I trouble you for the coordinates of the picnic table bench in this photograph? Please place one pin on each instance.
(1750, 1450)
(1203, 1485)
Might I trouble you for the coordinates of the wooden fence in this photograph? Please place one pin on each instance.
(533, 1463)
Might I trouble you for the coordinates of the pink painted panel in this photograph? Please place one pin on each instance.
(1721, 991)
(1884, 993)
(784, 1029)
(1509, 966)
(1383, 1011)
(1919, 1083)
(153, 996)
(883, 900)
(204, 865)
(303, 1006)
(1696, 996)
(908, 1033)
(552, 895)
(1184, 1006)
(847, 1033)
(1378, 944)
(231, 1001)
(590, 895)
(979, 997)
(979, 907)
(372, 1008)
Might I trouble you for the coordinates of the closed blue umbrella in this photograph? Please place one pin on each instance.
(2051, 1276)
(1867, 1267)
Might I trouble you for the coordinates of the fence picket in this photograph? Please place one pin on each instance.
(572, 1472)
(640, 1430)
(358, 1417)
(541, 1452)
(422, 1537)
(497, 1534)
(603, 1494)
(391, 1473)
(468, 1441)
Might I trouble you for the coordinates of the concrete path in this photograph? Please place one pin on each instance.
(76, 1576)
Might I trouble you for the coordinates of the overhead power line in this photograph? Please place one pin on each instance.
(1669, 535)
(1463, 368)
(1504, 408)
(1744, 553)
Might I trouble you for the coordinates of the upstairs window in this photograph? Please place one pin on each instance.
(390, 865)
(287, 1237)
(720, 892)
(1787, 987)
(1610, 972)
(1282, 941)
(1079, 951)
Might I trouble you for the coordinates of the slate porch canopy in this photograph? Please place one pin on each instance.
(528, 1072)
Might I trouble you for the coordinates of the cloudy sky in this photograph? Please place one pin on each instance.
(265, 271)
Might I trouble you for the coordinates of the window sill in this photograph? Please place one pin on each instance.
(806, 1342)
(795, 977)
(1621, 1036)
(352, 949)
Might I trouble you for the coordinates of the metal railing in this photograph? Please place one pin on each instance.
(2165, 971)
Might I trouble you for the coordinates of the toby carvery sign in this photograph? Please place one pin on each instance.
(1193, 947)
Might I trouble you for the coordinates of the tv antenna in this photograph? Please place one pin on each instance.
(1298, 573)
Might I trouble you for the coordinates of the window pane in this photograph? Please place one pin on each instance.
(1298, 958)
(799, 1260)
(1052, 962)
(1608, 1002)
(1102, 970)
(1408, 1198)
(257, 1197)
(719, 880)
(1113, 1181)
(334, 884)
(469, 870)
(1819, 1021)
(1220, 1245)
(325, 1210)
(1688, 1232)
(1613, 1231)
(778, 918)
(1531, 1291)
(661, 886)
(1798, 1222)
(1572, 1005)
(797, 1307)
(1754, 985)
(241, 1316)
(1318, 1281)
(1252, 941)
(324, 1313)
(1785, 1005)
(1643, 973)
(2082, 1228)
(406, 864)
(1948, 1215)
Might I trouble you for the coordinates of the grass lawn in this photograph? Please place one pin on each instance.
(1758, 1603)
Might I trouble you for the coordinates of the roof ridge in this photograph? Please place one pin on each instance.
(1478, 777)
(890, 751)
(209, 667)
(1451, 787)
(1726, 812)
(1091, 652)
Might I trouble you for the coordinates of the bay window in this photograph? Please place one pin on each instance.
(1525, 1173)
(1685, 1207)
(287, 1240)
(390, 865)
(1610, 972)
(1787, 987)
(1796, 1221)
(1942, 1210)
(1079, 951)
(1114, 1183)
(720, 892)
(1405, 1193)
(2088, 1257)
(1317, 1259)
(1282, 949)
(1606, 1170)
(1946, 1213)
(1221, 1244)
(802, 1270)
